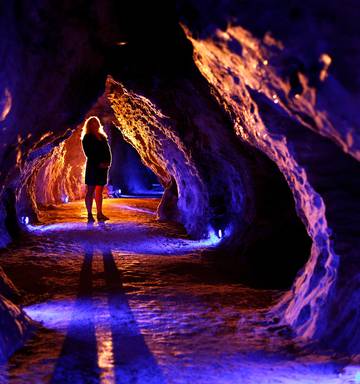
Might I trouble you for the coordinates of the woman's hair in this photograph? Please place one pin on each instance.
(87, 127)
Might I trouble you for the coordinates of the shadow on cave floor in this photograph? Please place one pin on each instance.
(135, 301)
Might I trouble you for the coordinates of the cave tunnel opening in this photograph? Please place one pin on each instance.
(237, 194)
(270, 250)
(267, 252)
(276, 246)
(59, 176)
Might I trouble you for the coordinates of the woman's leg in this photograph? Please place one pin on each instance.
(89, 197)
(99, 199)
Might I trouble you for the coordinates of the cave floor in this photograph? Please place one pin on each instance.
(134, 300)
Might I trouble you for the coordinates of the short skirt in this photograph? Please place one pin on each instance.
(95, 175)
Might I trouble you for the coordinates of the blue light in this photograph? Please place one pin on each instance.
(25, 220)
(114, 192)
(357, 377)
(56, 314)
(65, 199)
(220, 234)
(212, 238)
(142, 242)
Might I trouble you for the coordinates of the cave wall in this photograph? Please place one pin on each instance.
(15, 325)
(284, 97)
(52, 70)
(163, 144)
(236, 191)
(61, 176)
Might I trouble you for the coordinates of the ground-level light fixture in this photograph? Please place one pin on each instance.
(25, 220)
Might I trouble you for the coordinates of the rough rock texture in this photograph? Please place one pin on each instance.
(52, 70)
(14, 324)
(43, 74)
(60, 177)
(240, 113)
(283, 101)
(4, 231)
(216, 190)
(7, 288)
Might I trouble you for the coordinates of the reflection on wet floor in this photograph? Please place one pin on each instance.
(135, 301)
(108, 347)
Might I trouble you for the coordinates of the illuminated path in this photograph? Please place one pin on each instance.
(135, 301)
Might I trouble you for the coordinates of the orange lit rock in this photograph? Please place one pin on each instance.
(60, 178)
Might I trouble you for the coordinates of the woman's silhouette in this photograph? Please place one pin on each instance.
(97, 151)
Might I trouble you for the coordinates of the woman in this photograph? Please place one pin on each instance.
(97, 151)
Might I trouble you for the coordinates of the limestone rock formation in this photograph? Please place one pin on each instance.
(7, 288)
(14, 323)
(14, 327)
(283, 101)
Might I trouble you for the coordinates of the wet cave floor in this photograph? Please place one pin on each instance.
(134, 300)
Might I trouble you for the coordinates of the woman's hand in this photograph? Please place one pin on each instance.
(104, 165)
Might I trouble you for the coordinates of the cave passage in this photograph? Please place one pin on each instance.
(59, 176)
(264, 246)
(231, 253)
(135, 300)
(274, 247)
(140, 299)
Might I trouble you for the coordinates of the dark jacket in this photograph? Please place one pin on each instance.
(96, 151)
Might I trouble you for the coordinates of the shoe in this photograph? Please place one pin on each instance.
(102, 217)
(90, 219)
